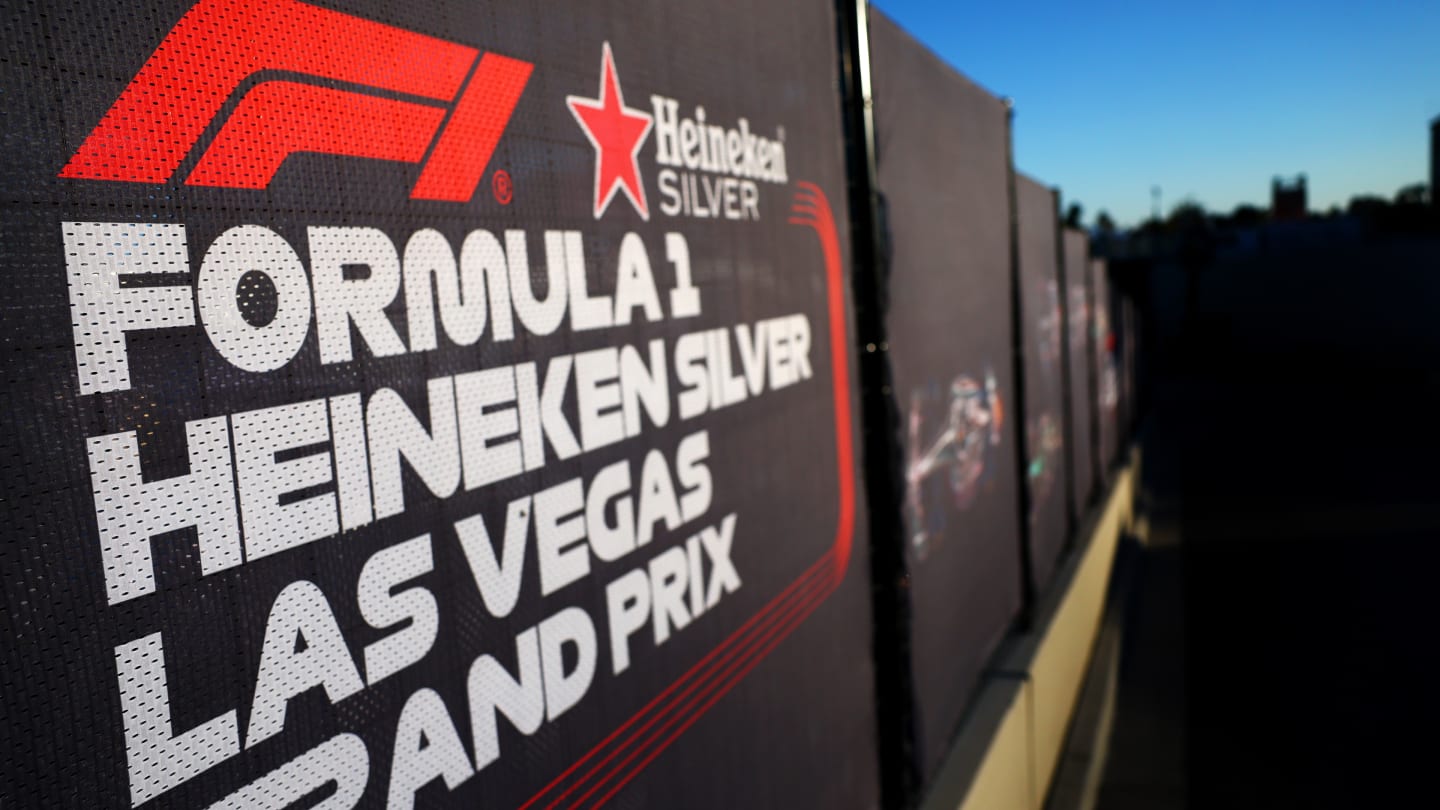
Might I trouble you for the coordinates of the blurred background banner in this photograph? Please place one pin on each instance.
(1107, 370)
(1128, 338)
(1081, 360)
(942, 166)
(1044, 383)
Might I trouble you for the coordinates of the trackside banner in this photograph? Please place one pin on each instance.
(1042, 329)
(1080, 314)
(942, 167)
(1128, 338)
(1107, 367)
(429, 405)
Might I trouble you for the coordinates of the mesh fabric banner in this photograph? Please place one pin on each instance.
(1129, 354)
(1082, 388)
(941, 159)
(1044, 384)
(1107, 367)
(429, 404)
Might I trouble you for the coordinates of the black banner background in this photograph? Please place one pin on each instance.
(942, 168)
(1082, 390)
(1107, 373)
(778, 740)
(1129, 354)
(1044, 384)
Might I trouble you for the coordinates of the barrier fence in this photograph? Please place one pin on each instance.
(450, 404)
(1044, 350)
(941, 157)
(1075, 270)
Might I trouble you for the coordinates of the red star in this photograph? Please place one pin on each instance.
(616, 132)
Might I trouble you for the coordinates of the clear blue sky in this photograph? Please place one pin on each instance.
(1207, 99)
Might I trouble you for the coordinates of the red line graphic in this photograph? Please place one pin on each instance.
(762, 625)
(661, 721)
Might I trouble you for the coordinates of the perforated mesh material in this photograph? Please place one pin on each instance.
(307, 315)
(941, 158)
(1046, 420)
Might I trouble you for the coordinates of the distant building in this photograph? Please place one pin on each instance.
(1435, 162)
(1288, 199)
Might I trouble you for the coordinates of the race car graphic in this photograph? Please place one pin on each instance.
(946, 470)
(1109, 393)
(1045, 443)
(1048, 329)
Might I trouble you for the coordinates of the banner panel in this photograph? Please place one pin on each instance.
(942, 168)
(1044, 383)
(1082, 380)
(1129, 354)
(429, 404)
(1107, 367)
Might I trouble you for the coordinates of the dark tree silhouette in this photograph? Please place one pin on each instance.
(1188, 217)
(1103, 223)
(1413, 194)
(1247, 216)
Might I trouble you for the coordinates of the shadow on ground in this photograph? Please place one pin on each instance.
(1281, 645)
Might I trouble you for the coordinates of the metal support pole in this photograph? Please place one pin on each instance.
(1017, 354)
(884, 460)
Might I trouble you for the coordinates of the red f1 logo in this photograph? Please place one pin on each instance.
(221, 49)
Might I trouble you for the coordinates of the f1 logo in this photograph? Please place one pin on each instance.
(222, 49)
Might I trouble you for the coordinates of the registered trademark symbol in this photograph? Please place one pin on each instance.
(500, 184)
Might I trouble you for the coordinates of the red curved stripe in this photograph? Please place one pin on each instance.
(712, 675)
(698, 671)
(689, 721)
(817, 583)
(726, 679)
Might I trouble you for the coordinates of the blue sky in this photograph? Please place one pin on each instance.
(1207, 100)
